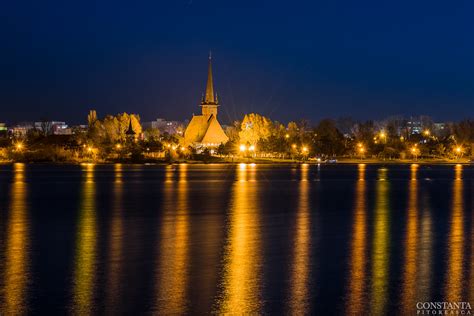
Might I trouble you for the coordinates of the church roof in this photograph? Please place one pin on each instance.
(130, 130)
(206, 130)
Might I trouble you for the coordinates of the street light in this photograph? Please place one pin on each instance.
(118, 146)
(427, 132)
(252, 148)
(243, 148)
(287, 136)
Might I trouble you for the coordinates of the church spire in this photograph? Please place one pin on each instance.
(209, 99)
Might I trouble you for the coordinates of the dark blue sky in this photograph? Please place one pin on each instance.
(285, 59)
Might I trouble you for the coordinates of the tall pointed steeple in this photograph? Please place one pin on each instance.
(209, 98)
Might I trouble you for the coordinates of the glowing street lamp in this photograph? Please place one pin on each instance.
(415, 151)
(252, 148)
(458, 150)
(19, 146)
(305, 149)
(243, 148)
(287, 136)
(293, 146)
(426, 132)
(118, 146)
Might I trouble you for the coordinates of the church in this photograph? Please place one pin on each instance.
(204, 130)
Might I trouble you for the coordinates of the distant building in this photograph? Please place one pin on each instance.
(3, 129)
(53, 128)
(204, 130)
(439, 129)
(414, 127)
(164, 126)
(21, 129)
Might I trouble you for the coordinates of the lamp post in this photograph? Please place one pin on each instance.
(458, 151)
(415, 151)
(361, 150)
(305, 151)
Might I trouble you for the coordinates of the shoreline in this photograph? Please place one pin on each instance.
(261, 161)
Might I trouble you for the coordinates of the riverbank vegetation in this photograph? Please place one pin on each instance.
(120, 138)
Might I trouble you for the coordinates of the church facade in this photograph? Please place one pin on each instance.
(204, 130)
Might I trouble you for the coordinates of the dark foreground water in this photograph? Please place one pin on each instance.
(334, 239)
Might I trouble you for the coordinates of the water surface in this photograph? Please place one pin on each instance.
(338, 239)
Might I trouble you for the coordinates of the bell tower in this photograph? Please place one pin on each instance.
(209, 102)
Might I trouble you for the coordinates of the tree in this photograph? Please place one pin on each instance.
(91, 117)
(328, 139)
(255, 127)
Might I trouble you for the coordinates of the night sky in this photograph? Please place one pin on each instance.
(284, 59)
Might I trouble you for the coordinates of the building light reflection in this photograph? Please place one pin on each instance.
(115, 253)
(172, 275)
(358, 261)
(381, 252)
(16, 264)
(411, 240)
(301, 266)
(454, 273)
(86, 247)
(242, 259)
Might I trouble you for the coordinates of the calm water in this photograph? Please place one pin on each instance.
(234, 238)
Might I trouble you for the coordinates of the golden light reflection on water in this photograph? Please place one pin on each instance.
(381, 253)
(174, 248)
(454, 275)
(86, 247)
(471, 289)
(425, 255)
(411, 252)
(115, 252)
(301, 264)
(358, 261)
(242, 255)
(16, 257)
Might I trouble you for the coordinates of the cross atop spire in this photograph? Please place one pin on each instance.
(209, 97)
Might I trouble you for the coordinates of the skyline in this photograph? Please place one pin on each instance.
(288, 62)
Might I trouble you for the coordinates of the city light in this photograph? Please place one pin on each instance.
(293, 146)
(427, 132)
(19, 146)
(243, 148)
(252, 148)
(287, 136)
(118, 146)
(305, 149)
